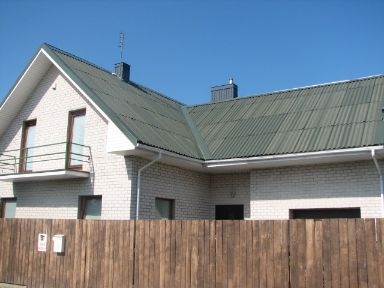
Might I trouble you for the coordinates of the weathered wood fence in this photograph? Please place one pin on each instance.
(295, 253)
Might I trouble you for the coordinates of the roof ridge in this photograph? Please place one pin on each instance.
(76, 57)
(293, 89)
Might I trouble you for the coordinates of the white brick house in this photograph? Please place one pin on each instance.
(306, 152)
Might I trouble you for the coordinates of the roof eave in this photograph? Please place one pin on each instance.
(294, 159)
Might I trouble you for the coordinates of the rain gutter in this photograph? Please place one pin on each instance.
(320, 155)
(139, 182)
(381, 180)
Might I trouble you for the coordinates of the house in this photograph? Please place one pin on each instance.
(77, 141)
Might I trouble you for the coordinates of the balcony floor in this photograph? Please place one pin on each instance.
(44, 176)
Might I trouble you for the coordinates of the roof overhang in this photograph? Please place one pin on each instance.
(21, 90)
(45, 176)
(237, 165)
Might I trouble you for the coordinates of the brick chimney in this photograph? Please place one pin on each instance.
(224, 92)
(122, 70)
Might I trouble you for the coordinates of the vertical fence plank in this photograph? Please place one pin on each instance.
(277, 254)
(131, 257)
(269, 252)
(371, 251)
(361, 254)
(243, 240)
(263, 234)
(352, 259)
(249, 254)
(344, 253)
(256, 254)
(231, 252)
(380, 255)
(219, 254)
(309, 253)
(318, 255)
(200, 253)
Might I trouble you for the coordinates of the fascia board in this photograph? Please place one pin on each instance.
(297, 158)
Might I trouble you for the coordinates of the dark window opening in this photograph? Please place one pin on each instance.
(90, 207)
(8, 207)
(165, 208)
(229, 212)
(325, 213)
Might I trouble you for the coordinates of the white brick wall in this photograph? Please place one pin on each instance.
(230, 189)
(59, 199)
(190, 190)
(353, 184)
(265, 194)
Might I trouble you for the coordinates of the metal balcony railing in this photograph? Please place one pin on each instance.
(49, 157)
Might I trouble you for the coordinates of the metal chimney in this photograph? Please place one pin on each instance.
(122, 70)
(224, 92)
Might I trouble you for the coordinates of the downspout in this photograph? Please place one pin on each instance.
(381, 180)
(139, 182)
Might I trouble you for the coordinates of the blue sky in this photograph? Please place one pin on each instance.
(183, 48)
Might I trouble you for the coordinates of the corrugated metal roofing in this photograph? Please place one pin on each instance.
(324, 117)
(333, 116)
(150, 117)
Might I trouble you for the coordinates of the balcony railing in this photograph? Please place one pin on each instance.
(46, 158)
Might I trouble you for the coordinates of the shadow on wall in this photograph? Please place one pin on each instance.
(51, 194)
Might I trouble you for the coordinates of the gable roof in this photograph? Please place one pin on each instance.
(145, 116)
(319, 118)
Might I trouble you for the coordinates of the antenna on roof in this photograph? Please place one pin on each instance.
(121, 45)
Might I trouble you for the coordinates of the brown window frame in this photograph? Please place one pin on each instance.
(23, 149)
(72, 115)
(3, 201)
(82, 204)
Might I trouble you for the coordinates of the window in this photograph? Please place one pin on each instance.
(76, 127)
(325, 213)
(90, 207)
(27, 144)
(229, 212)
(7, 207)
(165, 208)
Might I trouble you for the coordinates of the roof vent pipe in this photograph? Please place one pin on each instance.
(122, 70)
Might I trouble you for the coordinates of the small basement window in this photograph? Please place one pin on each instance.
(165, 208)
(325, 213)
(90, 207)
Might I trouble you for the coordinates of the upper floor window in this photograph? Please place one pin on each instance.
(76, 129)
(27, 145)
(7, 207)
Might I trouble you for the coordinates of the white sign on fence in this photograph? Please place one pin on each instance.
(42, 242)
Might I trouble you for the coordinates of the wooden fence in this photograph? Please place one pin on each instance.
(295, 253)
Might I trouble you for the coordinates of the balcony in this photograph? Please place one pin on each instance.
(56, 161)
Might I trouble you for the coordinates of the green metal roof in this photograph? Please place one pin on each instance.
(324, 117)
(144, 115)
